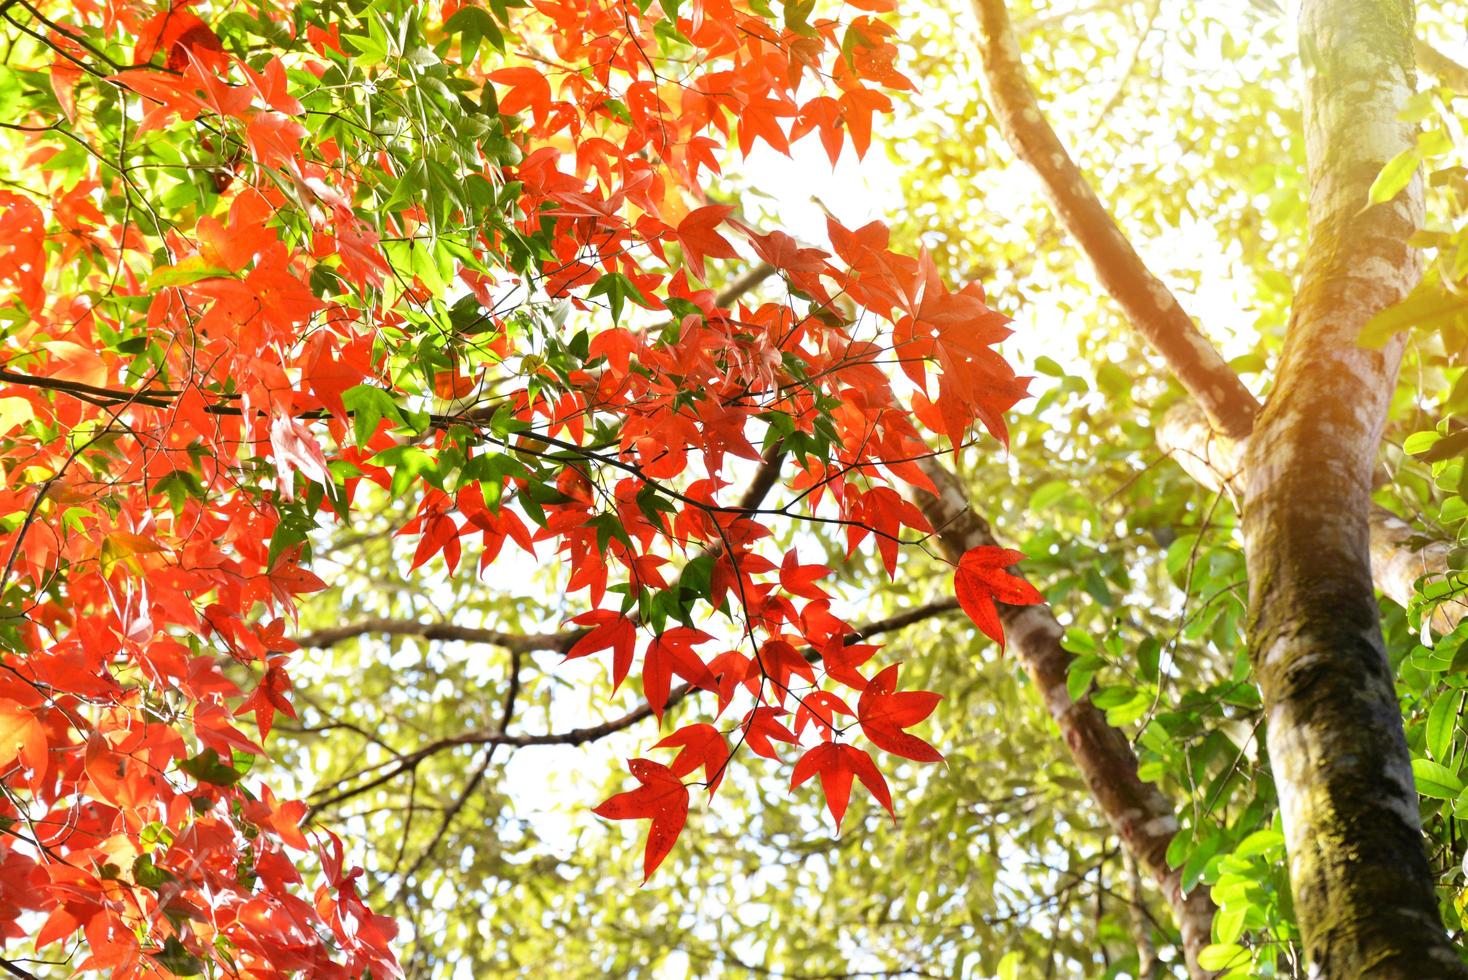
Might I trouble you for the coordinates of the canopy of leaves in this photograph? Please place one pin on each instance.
(409, 316)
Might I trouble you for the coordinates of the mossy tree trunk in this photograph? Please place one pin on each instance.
(1363, 890)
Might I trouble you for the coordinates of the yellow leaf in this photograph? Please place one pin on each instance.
(14, 412)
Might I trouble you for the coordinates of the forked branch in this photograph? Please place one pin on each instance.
(1145, 299)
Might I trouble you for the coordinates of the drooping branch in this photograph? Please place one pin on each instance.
(1145, 299)
(408, 761)
(1140, 814)
(1398, 559)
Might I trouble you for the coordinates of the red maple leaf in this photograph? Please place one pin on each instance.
(841, 660)
(22, 737)
(798, 579)
(529, 89)
(672, 653)
(662, 798)
(883, 512)
(699, 745)
(761, 725)
(780, 661)
(699, 236)
(837, 763)
(884, 713)
(610, 631)
(980, 580)
(820, 707)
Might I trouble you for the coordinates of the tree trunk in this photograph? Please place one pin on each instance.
(1397, 559)
(1138, 811)
(1363, 891)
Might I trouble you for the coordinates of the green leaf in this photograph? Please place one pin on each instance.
(617, 288)
(1434, 143)
(1179, 554)
(1428, 307)
(1435, 781)
(1048, 494)
(1047, 365)
(1420, 442)
(191, 269)
(1080, 674)
(148, 874)
(1445, 448)
(1220, 956)
(1197, 862)
(1395, 176)
(178, 960)
(369, 405)
(1258, 842)
(1228, 924)
(14, 412)
(207, 767)
(409, 464)
(1442, 725)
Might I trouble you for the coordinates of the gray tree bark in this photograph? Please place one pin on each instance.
(1364, 893)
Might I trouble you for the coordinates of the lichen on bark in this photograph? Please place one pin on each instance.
(1363, 892)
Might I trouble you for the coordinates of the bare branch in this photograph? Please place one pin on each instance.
(446, 822)
(1146, 300)
(514, 642)
(744, 284)
(15, 971)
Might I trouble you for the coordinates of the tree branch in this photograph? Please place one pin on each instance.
(591, 733)
(1440, 66)
(1141, 816)
(744, 284)
(1398, 559)
(1364, 890)
(15, 971)
(513, 642)
(1145, 299)
(506, 716)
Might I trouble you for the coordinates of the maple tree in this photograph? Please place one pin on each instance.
(382, 312)
(263, 262)
(1179, 822)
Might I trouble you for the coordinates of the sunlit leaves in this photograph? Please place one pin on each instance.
(662, 799)
(278, 267)
(837, 764)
